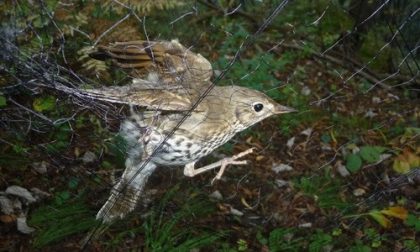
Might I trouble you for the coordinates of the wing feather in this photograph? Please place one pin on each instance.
(166, 75)
(151, 99)
(170, 60)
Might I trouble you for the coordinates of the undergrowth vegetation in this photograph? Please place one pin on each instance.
(349, 159)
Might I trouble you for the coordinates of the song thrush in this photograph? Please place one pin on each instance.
(167, 80)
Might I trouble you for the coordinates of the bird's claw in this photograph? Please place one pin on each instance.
(232, 161)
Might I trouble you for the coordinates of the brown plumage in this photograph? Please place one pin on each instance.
(167, 77)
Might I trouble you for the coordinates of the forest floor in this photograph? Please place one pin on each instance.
(333, 180)
(341, 174)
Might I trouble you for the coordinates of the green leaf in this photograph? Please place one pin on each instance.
(2, 101)
(354, 162)
(376, 243)
(413, 221)
(45, 103)
(380, 218)
(242, 245)
(337, 232)
(371, 153)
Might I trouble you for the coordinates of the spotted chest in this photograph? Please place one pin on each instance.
(178, 149)
(183, 149)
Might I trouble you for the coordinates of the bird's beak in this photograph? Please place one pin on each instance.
(280, 109)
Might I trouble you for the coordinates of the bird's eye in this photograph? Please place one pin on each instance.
(258, 107)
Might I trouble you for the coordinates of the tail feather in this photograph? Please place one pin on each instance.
(125, 195)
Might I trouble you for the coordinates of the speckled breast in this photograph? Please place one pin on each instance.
(180, 148)
(183, 149)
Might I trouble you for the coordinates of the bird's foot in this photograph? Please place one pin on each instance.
(231, 161)
(191, 172)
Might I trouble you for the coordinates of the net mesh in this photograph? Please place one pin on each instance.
(341, 63)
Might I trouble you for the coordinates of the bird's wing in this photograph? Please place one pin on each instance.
(166, 75)
(170, 62)
(150, 99)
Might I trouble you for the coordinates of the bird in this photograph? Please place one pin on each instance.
(182, 115)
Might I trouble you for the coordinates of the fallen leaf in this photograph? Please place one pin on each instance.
(307, 132)
(397, 212)
(412, 159)
(5, 218)
(245, 203)
(341, 169)
(40, 167)
(281, 183)
(305, 225)
(381, 219)
(236, 212)
(376, 99)
(359, 192)
(224, 208)
(290, 142)
(89, 157)
(370, 113)
(216, 195)
(277, 168)
(401, 165)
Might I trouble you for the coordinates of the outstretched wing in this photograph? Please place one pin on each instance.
(151, 99)
(166, 75)
(170, 61)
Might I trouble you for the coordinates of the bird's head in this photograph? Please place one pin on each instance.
(251, 106)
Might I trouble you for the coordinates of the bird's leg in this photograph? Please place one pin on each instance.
(191, 172)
